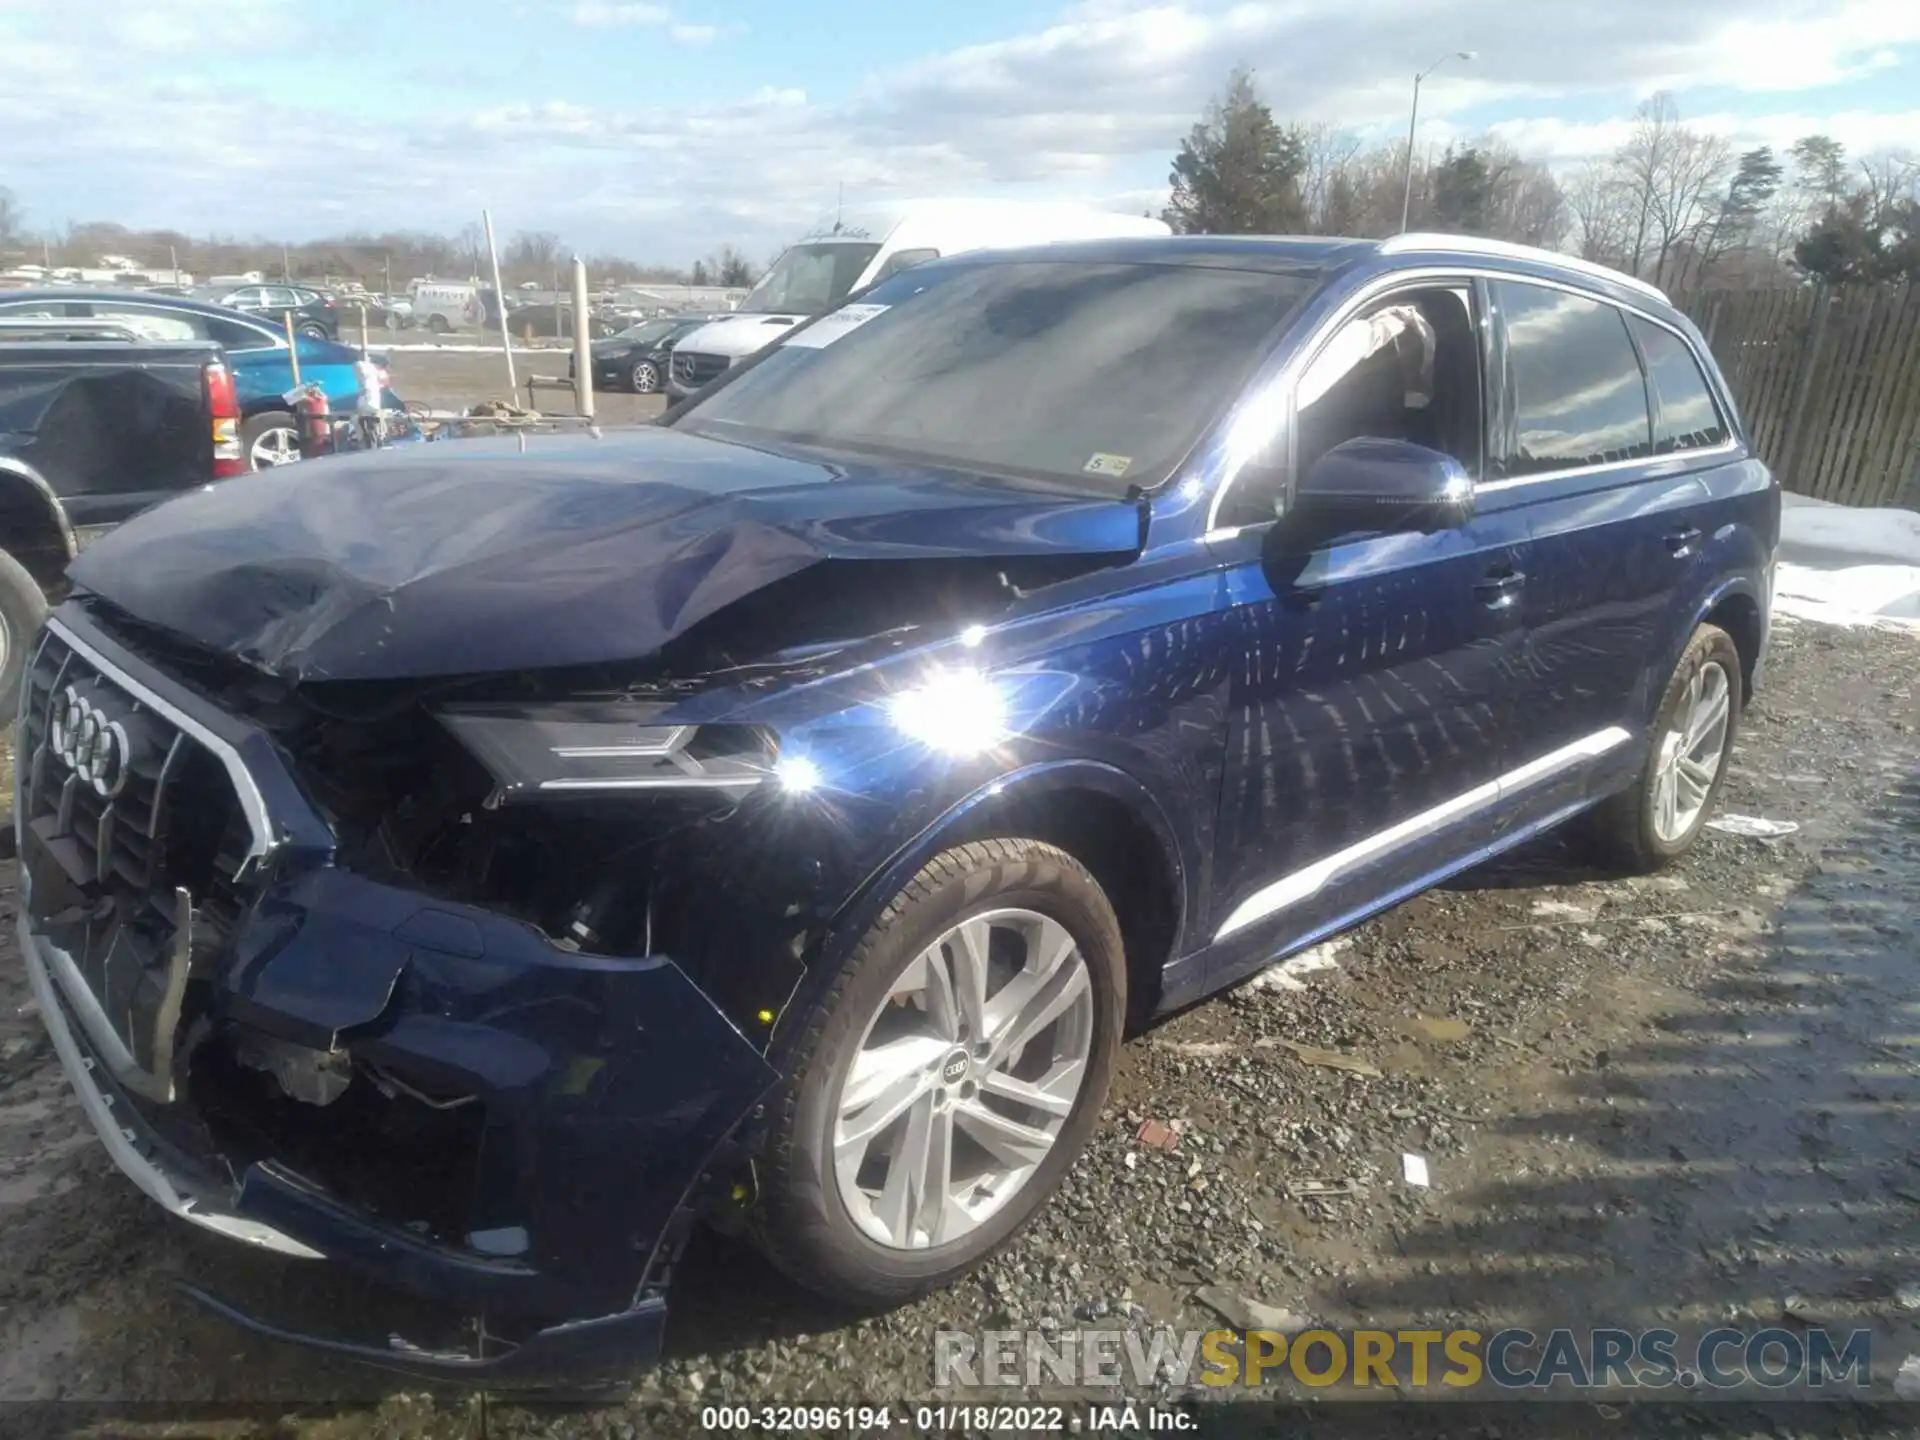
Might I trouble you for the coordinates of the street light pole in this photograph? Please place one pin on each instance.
(1413, 121)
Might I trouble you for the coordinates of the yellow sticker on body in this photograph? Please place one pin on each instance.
(1105, 464)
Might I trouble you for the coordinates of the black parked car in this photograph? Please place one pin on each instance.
(315, 312)
(636, 358)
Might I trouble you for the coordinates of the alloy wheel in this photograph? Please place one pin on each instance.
(1692, 752)
(965, 1076)
(646, 378)
(278, 446)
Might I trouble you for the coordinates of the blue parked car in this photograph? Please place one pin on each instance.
(256, 350)
(779, 814)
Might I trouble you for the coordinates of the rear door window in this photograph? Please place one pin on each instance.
(152, 324)
(1579, 398)
(1685, 415)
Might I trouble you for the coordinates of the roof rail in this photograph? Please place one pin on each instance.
(1507, 250)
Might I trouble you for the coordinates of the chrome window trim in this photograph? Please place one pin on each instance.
(1310, 880)
(1464, 270)
(252, 804)
(1726, 448)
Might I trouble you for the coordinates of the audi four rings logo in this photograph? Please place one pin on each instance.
(94, 746)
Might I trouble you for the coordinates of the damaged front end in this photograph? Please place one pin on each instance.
(259, 942)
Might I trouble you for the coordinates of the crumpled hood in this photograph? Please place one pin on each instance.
(484, 555)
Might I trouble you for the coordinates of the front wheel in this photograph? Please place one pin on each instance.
(314, 332)
(646, 378)
(23, 606)
(1658, 819)
(950, 1076)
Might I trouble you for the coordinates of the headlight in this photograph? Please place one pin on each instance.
(957, 712)
(604, 746)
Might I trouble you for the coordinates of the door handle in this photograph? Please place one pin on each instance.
(1500, 587)
(1680, 542)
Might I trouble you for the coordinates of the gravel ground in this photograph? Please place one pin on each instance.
(1685, 1100)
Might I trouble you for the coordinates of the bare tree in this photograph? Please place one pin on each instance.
(1598, 200)
(1642, 164)
(1326, 185)
(1685, 195)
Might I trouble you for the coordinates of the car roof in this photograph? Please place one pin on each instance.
(165, 302)
(1296, 253)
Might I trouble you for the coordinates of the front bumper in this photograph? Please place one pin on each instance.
(605, 1093)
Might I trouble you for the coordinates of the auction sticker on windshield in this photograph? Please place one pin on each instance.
(829, 328)
(1105, 464)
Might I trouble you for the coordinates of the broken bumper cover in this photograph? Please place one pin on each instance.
(610, 1087)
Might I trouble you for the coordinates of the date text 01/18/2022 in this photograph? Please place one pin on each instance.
(947, 1419)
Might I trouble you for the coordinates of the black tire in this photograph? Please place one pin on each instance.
(644, 378)
(23, 607)
(1621, 829)
(261, 424)
(802, 1222)
(314, 331)
(437, 324)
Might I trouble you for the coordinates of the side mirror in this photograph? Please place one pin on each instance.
(1385, 485)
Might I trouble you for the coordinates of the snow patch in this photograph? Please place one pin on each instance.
(1290, 973)
(1839, 565)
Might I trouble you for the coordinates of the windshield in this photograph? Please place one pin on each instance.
(808, 279)
(1100, 374)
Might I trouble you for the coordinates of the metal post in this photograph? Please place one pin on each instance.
(499, 298)
(293, 346)
(582, 343)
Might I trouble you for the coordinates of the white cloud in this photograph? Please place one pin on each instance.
(598, 16)
(1090, 104)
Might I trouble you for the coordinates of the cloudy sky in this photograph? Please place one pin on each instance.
(660, 128)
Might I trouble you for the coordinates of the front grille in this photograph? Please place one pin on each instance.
(112, 843)
(694, 369)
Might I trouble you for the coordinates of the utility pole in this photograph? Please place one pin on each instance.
(1413, 120)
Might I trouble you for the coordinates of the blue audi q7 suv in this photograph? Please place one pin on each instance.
(478, 869)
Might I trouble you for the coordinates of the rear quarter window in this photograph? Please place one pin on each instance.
(1685, 415)
(1579, 398)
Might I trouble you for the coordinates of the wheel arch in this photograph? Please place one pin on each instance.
(33, 523)
(1737, 610)
(1096, 812)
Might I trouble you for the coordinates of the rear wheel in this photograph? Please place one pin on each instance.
(313, 330)
(270, 438)
(645, 377)
(949, 1078)
(23, 606)
(438, 324)
(1659, 818)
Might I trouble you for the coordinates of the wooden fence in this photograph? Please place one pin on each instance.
(1828, 381)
